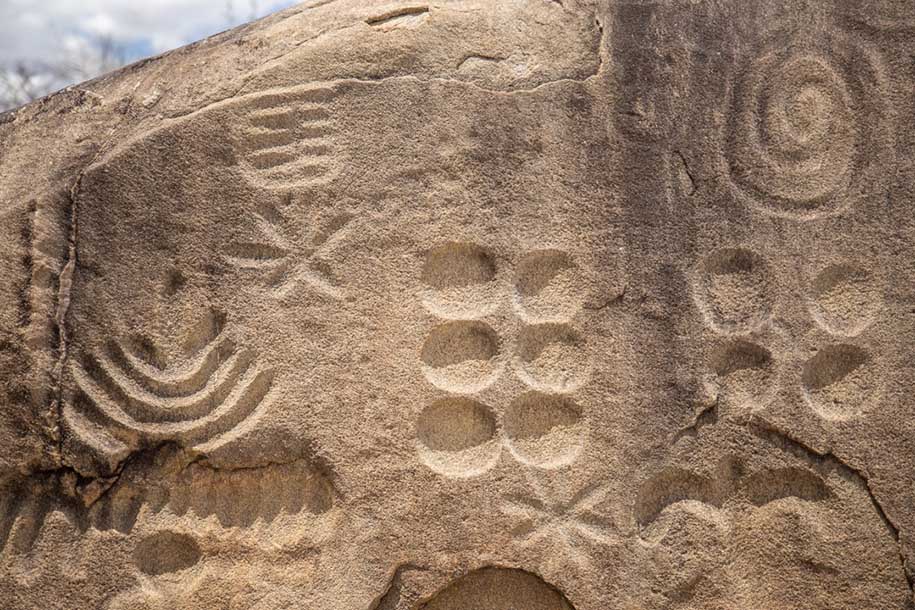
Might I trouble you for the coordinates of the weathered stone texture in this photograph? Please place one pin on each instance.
(528, 304)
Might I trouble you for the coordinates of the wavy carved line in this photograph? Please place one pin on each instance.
(760, 489)
(158, 480)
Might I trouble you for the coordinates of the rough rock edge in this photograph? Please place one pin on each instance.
(769, 432)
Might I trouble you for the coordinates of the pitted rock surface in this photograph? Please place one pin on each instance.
(553, 305)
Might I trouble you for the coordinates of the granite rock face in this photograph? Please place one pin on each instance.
(528, 304)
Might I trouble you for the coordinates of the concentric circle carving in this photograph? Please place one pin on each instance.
(806, 125)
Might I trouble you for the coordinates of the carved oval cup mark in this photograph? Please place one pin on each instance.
(457, 437)
(845, 299)
(552, 358)
(735, 290)
(544, 430)
(462, 356)
(460, 281)
(496, 588)
(166, 552)
(548, 287)
(839, 381)
(803, 113)
(745, 372)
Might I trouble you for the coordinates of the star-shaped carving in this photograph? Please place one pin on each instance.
(286, 256)
(545, 516)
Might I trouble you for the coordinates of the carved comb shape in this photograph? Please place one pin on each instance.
(288, 138)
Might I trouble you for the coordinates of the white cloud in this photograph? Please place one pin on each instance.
(38, 30)
(101, 24)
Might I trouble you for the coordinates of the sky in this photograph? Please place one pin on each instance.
(50, 31)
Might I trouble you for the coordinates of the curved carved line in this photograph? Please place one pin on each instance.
(672, 487)
(242, 401)
(770, 485)
(185, 378)
(146, 406)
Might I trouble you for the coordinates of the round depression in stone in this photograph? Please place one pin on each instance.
(459, 280)
(457, 436)
(461, 356)
(544, 430)
(548, 286)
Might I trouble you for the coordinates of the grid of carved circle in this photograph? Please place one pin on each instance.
(734, 292)
(460, 436)
(544, 427)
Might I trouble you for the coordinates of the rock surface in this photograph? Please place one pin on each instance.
(541, 305)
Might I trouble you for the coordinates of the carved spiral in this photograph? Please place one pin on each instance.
(804, 113)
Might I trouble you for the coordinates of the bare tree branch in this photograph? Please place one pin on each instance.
(22, 82)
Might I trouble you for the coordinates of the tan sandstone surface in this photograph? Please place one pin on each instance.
(469, 304)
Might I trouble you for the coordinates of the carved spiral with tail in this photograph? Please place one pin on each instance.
(806, 115)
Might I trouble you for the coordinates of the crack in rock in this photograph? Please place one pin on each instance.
(769, 432)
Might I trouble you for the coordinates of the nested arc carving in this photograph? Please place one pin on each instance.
(287, 137)
(895, 16)
(806, 116)
(201, 397)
